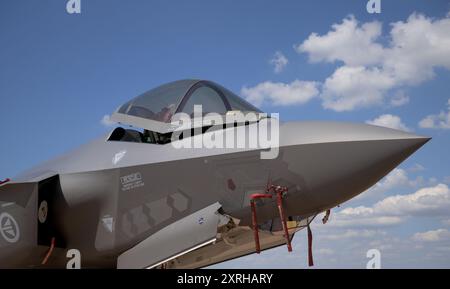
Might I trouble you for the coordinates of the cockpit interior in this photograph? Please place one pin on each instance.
(149, 115)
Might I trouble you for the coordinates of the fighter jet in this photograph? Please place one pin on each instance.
(133, 198)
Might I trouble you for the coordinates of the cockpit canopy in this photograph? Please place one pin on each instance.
(153, 110)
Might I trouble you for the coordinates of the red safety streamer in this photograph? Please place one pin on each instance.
(283, 217)
(52, 246)
(254, 219)
(255, 227)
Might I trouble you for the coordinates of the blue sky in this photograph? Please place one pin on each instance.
(60, 74)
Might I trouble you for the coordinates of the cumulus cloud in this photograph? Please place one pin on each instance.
(426, 201)
(351, 87)
(397, 178)
(437, 121)
(277, 93)
(370, 70)
(399, 99)
(432, 236)
(347, 42)
(371, 73)
(418, 45)
(429, 201)
(390, 121)
(279, 62)
(106, 121)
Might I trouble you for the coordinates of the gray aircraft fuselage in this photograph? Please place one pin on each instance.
(106, 197)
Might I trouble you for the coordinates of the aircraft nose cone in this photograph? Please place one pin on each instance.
(370, 157)
(394, 143)
(329, 132)
(337, 161)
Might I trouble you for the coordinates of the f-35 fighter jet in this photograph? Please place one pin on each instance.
(136, 198)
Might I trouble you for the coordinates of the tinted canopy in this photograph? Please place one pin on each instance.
(154, 109)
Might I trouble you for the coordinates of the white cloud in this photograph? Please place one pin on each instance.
(416, 168)
(277, 93)
(432, 236)
(347, 42)
(397, 178)
(437, 121)
(399, 99)
(363, 217)
(426, 201)
(279, 62)
(351, 87)
(106, 121)
(429, 201)
(390, 121)
(416, 47)
(371, 72)
(370, 221)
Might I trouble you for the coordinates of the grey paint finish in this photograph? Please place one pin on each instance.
(18, 225)
(319, 176)
(111, 197)
(99, 154)
(177, 237)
